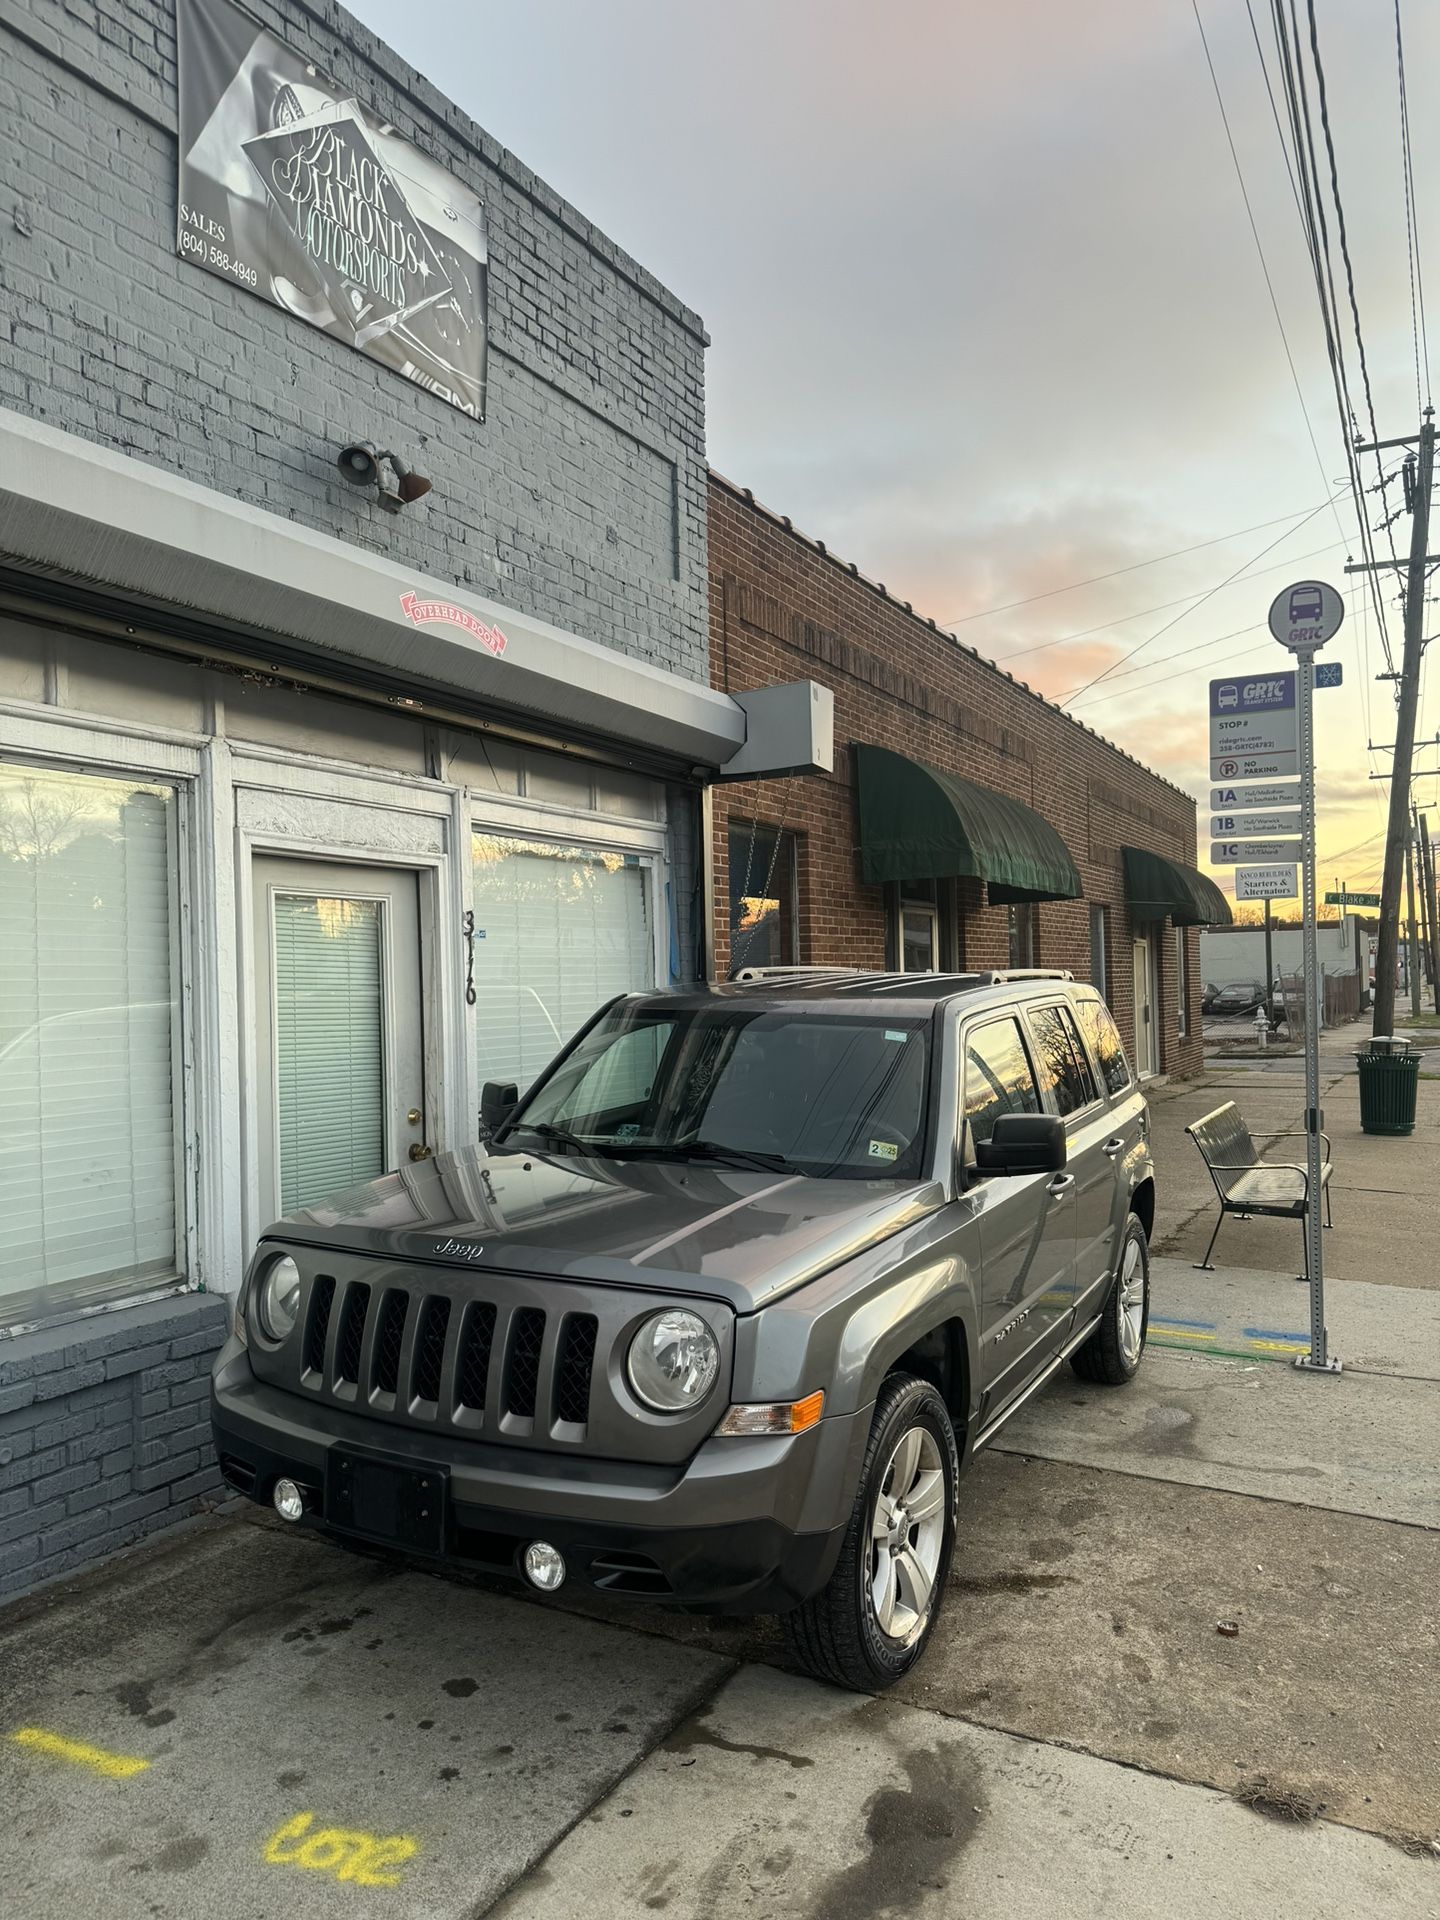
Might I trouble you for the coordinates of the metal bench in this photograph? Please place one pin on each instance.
(1245, 1184)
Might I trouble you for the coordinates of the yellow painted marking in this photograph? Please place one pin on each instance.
(1182, 1333)
(1279, 1346)
(354, 1858)
(114, 1766)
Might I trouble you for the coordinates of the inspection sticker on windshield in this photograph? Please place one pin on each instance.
(896, 1033)
(884, 1150)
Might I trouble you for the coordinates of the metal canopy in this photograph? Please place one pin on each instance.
(1155, 887)
(919, 823)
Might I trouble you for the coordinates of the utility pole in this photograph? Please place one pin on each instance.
(1398, 829)
(1269, 958)
(1412, 950)
(1427, 869)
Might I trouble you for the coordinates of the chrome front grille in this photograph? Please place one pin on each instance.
(517, 1371)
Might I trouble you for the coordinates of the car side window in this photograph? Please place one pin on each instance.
(998, 1077)
(1064, 1071)
(1105, 1044)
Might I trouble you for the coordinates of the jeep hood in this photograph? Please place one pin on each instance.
(733, 1234)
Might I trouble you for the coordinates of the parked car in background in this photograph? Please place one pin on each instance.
(1239, 996)
(723, 1305)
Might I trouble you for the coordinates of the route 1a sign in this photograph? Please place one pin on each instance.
(1271, 793)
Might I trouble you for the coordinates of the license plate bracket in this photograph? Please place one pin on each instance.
(388, 1501)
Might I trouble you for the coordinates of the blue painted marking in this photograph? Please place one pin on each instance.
(1270, 1333)
(1205, 1326)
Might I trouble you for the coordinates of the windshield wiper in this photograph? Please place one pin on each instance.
(560, 1136)
(706, 1150)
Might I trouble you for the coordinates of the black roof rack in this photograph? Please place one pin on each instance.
(846, 982)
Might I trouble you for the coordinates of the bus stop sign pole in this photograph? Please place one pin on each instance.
(1305, 637)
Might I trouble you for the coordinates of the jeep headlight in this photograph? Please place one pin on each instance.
(277, 1298)
(673, 1361)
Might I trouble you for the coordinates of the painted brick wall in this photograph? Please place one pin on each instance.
(782, 608)
(580, 498)
(104, 1433)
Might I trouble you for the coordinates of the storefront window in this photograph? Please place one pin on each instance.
(88, 992)
(1100, 949)
(559, 930)
(762, 897)
(1022, 935)
(1182, 985)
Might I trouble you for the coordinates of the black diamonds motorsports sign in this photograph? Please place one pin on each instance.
(289, 187)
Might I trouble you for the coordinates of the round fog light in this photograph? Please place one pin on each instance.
(544, 1566)
(289, 1501)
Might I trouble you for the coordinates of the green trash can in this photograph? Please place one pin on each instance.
(1389, 1077)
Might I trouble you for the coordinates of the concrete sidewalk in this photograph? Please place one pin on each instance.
(1243, 1312)
(787, 1801)
(257, 1725)
(1384, 1192)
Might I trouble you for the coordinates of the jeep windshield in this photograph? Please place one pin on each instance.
(832, 1095)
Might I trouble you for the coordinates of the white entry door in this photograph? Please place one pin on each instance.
(339, 1027)
(1144, 1010)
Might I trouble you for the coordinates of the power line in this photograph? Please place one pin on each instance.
(1140, 647)
(1259, 248)
(1345, 244)
(1412, 231)
(1317, 236)
(1141, 613)
(1095, 578)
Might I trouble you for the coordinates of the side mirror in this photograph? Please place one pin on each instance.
(1024, 1143)
(498, 1100)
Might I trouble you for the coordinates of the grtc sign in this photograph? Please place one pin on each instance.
(1254, 726)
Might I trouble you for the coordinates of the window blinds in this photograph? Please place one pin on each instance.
(558, 931)
(88, 1112)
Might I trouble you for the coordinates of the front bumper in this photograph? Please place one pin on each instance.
(745, 1526)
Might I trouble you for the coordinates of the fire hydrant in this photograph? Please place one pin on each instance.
(1262, 1028)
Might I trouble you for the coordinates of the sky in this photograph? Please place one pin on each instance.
(987, 316)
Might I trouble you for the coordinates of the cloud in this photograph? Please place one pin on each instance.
(986, 311)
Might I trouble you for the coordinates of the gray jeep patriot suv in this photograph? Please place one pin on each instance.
(721, 1307)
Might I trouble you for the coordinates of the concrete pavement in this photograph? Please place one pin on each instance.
(1383, 1190)
(786, 1801)
(316, 1734)
(255, 1723)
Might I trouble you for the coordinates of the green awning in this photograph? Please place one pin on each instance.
(1155, 887)
(917, 823)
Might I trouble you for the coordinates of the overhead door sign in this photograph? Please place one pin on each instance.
(1254, 726)
(292, 189)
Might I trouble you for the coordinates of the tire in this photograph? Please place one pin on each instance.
(1111, 1356)
(838, 1635)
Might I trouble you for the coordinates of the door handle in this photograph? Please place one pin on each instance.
(1112, 1147)
(1062, 1183)
(420, 1151)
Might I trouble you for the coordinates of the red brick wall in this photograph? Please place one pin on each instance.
(782, 608)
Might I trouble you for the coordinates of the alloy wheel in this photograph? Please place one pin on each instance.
(907, 1536)
(1132, 1302)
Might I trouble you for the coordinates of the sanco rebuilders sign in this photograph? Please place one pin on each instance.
(290, 188)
